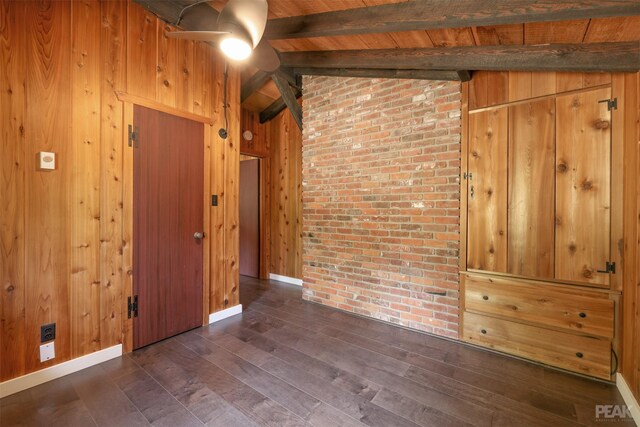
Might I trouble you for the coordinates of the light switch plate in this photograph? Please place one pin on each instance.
(47, 352)
(46, 161)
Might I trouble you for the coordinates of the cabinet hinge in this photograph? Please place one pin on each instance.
(467, 175)
(132, 307)
(134, 138)
(610, 267)
(612, 104)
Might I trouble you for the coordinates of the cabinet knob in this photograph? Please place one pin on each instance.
(485, 297)
(484, 331)
(579, 355)
(583, 315)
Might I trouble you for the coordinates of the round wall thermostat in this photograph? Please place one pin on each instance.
(248, 135)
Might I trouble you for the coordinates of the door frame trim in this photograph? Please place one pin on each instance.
(154, 105)
(128, 243)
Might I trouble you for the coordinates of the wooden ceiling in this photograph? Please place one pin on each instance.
(575, 31)
(570, 32)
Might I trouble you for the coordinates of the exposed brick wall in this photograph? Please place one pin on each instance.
(381, 165)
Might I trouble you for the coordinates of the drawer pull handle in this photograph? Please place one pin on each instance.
(583, 315)
(484, 331)
(484, 297)
(579, 355)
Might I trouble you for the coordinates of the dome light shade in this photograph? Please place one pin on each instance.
(236, 48)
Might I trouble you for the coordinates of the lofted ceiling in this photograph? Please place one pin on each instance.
(564, 32)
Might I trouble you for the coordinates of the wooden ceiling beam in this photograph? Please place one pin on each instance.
(386, 73)
(289, 97)
(595, 57)
(434, 14)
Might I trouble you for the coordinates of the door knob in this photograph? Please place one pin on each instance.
(198, 235)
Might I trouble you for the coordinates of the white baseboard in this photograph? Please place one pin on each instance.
(60, 370)
(285, 279)
(628, 397)
(223, 314)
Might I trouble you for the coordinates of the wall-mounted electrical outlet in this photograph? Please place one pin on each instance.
(47, 351)
(47, 332)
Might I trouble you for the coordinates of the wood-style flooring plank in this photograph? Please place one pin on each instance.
(286, 362)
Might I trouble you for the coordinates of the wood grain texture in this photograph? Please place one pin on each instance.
(583, 193)
(64, 234)
(48, 128)
(592, 57)
(590, 356)
(487, 207)
(531, 180)
(113, 67)
(142, 52)
(84, 286)
(13, 41)
(286, 194)
(231, 189)
(284, 342)
(168, 187)
(258, 146)
(419, 15)
(563, 307)
(627, 88)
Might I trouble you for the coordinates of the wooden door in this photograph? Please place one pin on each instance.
(583, 180)
(487, 191)
(250, 218)
(531, 188)
(168, 188)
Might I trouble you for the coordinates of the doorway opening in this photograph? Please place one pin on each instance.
(249, 216)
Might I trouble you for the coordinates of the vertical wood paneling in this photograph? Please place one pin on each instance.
(113, 51)
(142, 52)
(286, 193)
(583, 179)
(488, 88)
(627, 88)
(66, 235)
(185, 82)
(84, 282)
(232, 187)
(487, 207)
(531, 188)
(12, 187)
(214, 97)
(167, 69)
(47, 193)
(258, 146)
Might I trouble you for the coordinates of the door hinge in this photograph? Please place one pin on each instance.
(134, 136)
(612, 104)
(132, 307)
(610, 267)
(467, 175)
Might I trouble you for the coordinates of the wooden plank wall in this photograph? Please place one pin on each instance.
(628, 88)
(488, 90)
(63, 238)
(281, 232)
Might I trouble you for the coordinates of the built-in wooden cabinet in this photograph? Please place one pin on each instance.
(538, 183)
(539, 188)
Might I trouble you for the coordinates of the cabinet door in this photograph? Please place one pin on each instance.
(531, 188)
(583, 182)
(487, 195)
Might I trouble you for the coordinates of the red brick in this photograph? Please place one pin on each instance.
(381, 165)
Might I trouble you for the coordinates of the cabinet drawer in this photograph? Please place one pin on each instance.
(586, 355)
(549, 305)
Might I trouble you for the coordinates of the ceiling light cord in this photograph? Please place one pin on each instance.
(223, 132)
(188, 7)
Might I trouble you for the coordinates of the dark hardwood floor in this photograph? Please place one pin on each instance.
(284, 362)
